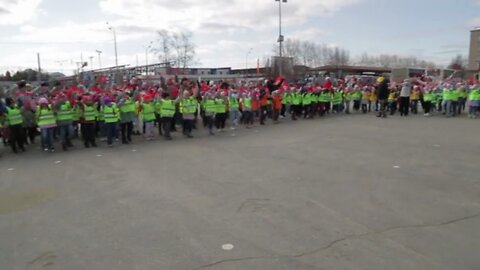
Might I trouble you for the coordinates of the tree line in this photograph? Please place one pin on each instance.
(26, 75)
(312, 54)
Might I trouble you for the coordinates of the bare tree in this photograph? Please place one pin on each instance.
(313, 54)
(338, 56)
(187, 50)
(308, 53)
(164, 48)
(175, 47)
(292, 49)
(458, 63)
(393, 61)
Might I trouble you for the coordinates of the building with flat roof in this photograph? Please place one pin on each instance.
(474, 55)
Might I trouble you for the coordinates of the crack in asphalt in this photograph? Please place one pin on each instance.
(238, 260)
(345, 238)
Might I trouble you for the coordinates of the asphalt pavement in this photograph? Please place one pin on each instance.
(342, 192)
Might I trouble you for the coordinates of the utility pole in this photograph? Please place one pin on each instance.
(99, 59)
(91, 62)
(39, 75)
(114, 43)
(146, 56)
(246, 60)
(280, 36)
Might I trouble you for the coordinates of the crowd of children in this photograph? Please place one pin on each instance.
(119, 113)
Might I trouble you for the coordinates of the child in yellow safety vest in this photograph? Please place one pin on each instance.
(209, 107)
(89, 115)
(111, 117)
(15, 126)
(221, 112)
(365, 99)
(247, 109)
(167, 108)
(45, 118)
(148, 116)
(233, 106)
(392, 100)
(373, 105)
(414, 98)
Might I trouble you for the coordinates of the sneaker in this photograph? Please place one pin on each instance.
(45, 150)
(110, 145)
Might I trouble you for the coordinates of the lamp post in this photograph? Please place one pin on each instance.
(99, 59)
(246, 59)
(114, 42)
(91, 62)
(147, 48)
(280, 36)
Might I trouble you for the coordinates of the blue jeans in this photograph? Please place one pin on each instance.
(448, 107)
(47, 137)
(102, 129)
(473, 110)
(111, 129)
(234, 117)
(65, 134)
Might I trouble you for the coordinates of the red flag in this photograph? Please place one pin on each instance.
(279, 80)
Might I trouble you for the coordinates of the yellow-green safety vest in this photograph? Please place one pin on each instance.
(167, 108)
(14, 116)
(188, 106)
(65, 112)
(45, 117)
(110, 114)
(148, 112)
(89, 113)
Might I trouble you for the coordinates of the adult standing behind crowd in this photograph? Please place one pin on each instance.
(405, 97)
(382, 95)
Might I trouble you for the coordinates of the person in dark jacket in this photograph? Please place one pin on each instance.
(382, 94)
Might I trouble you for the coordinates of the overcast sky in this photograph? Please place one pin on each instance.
(224, 30)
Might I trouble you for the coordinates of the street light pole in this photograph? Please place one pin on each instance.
(246, 59)
(91, 62)
(114, 42)
(99, 59)
(280, 36)
(146, 56)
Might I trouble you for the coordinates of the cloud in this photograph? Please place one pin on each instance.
(310, 34)
(457, 45)
(214, 23)
(16, 12)
(234, 14)
(79, 33)
(449, 51)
